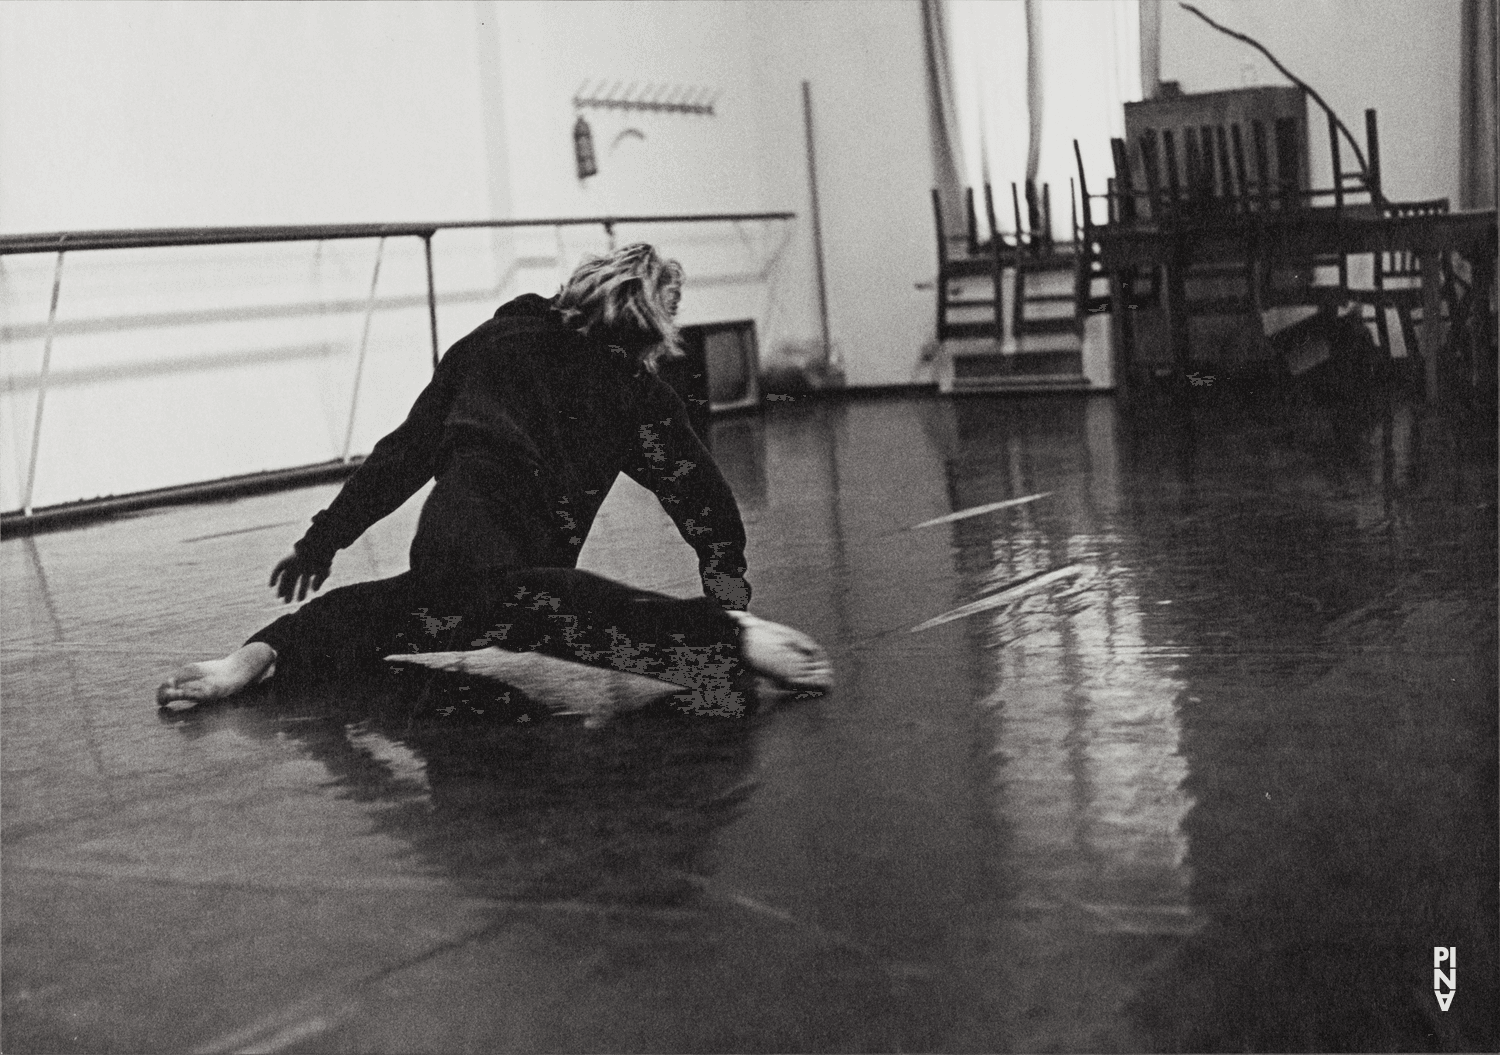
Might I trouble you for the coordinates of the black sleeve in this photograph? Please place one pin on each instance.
(673, 463)
(395, 469)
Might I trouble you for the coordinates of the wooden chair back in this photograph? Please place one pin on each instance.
(1403, 267)
(1357, 184)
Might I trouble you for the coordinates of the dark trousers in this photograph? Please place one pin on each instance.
(480, 576)
(560, 612)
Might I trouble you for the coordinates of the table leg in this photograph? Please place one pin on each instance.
(1177, 316)
(1124, 344)
(1256, 288)
(1431, 335)
(1479, 320)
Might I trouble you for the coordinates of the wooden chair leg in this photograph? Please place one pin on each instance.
(973, 226)
(1018, 298)
(1383, 332)
(997, 278)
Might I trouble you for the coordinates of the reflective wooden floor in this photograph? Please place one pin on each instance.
(1222, 785)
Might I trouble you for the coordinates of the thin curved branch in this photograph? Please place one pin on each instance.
(1359, 154)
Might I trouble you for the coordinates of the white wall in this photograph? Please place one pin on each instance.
(170, 366)
(864, 62)
(179, 365)
(181, 113)
(1399, 56)
(187, 364)
(649, 163)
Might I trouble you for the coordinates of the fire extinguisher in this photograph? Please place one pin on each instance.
(583, 149)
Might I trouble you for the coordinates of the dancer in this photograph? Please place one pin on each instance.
(525, 425)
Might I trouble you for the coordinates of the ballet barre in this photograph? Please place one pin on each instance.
(62, 243)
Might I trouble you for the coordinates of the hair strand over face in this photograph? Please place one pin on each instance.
(626, 298)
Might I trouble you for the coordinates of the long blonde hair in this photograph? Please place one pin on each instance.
(627, 298)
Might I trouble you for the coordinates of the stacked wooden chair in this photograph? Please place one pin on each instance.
(1393, 304)
(1200, 177)
(1351, 193)
(1044, 295)
(964, 262)
(982, 243)
(1198, 174)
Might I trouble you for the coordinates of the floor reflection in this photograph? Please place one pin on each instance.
(1196, 743)
(1088, 770)
(1210, 765)
(1299, 578)
(515, 813)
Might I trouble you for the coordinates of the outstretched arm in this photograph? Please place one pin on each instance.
(399, 464)
(295, 575)
(675, 465)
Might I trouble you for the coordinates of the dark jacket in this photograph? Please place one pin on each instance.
(558, 416)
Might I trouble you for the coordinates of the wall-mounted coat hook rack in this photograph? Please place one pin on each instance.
(651, 98)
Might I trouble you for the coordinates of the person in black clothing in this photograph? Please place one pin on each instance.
(525, 425)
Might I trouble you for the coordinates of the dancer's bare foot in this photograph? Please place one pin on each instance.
(214, 679)
(783, 654)
(566, 687)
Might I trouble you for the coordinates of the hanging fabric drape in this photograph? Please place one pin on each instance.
(1477, 188)
(987, 41)
(1091, 67)
(1030, 77)
(1035, 88)
(947, 149)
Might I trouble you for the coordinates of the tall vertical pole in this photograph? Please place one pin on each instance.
(817, 222)
(41, 384)
(431, 298)
(364, 344)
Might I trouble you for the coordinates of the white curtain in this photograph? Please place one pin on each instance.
(1090, 66)
(1476, 111)
(987, 41)
(947, 148)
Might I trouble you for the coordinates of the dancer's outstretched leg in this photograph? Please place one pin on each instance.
(582, 643)
(343, 633)
(784, 655)
(565, 687)
(569, 639)
(214, 679)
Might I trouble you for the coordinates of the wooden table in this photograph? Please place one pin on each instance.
(1271, 238)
